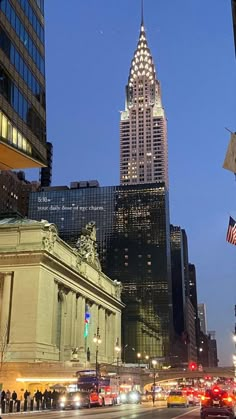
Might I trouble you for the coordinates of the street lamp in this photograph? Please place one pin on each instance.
(97, 340)
(139, 357)
(117, 349)
(234, 362)
(154, 363)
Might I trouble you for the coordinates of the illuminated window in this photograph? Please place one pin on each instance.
(4, 126)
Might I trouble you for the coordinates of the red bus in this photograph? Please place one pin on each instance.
(105, 387)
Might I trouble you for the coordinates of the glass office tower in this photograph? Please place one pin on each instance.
(134, 247)
(22, 85)
(139, 257)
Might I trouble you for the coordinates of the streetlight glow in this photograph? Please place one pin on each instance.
(97, 339)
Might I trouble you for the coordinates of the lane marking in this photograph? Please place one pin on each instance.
(186, 413)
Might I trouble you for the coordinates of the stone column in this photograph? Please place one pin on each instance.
(6, 304)
(102, 332)
(54, 316)
(80, 341)
(62, 297)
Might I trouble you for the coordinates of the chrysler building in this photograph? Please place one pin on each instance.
(143, 128)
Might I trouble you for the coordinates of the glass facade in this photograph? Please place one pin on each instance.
(22, 34)
(23, 69)
(178, 289)
(134, 248)
(22, 84)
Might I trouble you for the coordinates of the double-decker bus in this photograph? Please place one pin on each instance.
(105, 387)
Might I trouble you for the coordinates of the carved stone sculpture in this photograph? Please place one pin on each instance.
(87, 245)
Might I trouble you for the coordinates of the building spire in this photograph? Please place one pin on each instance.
(142, 15)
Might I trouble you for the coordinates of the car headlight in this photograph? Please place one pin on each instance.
(134, 397)
(63, 399)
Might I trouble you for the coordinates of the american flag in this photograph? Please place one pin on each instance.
(231, 233)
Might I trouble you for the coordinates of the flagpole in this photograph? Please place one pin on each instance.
(227, 129)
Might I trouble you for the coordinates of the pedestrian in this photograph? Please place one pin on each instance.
(8, 396)
(14, 397)
(25, 395)
(3, 396)
(54, 399)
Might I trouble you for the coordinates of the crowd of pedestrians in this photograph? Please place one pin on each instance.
(46, 400)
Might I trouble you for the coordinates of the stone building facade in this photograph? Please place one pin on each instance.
(53, 300)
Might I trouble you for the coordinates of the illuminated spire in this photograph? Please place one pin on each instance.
(142, 14)
(142, 63)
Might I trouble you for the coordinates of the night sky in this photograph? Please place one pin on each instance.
(89, 47)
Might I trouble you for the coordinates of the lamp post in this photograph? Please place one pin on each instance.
(139, 357)
(117, 349)
(97, 339)
(147, 359)
(154, 363)
(234, 362)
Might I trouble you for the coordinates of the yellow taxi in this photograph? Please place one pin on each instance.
(177, 398)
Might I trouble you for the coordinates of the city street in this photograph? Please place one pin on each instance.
(118, 412)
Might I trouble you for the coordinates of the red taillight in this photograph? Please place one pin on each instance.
(228, 399)
(205, 398)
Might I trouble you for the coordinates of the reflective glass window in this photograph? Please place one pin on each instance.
(19, 28)
(7, 46)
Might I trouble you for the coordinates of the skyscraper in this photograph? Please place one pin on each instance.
(22, 85)
(202, 317)
(143, 130)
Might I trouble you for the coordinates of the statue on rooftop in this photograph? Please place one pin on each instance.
(87, 245)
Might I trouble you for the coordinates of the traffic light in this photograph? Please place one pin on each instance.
(192, 366)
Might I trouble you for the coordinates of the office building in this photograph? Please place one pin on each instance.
(22, 85)
(177, 273)
(14, 193)
(186, 262)
(213, 355)
(46, 172)
(134, 247)
(143, 128)
(202, 317)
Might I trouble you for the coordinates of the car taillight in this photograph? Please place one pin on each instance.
(205, 398)
(228, 399)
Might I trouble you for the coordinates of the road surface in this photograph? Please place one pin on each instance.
(145, 411)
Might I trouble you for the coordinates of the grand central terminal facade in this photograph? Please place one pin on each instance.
(54, 299)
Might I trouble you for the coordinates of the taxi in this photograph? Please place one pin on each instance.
(177, 398)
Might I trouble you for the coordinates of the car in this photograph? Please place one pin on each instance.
(217, 402)
(194, 397)
(132, 397)
(78, 399)
(177, 398)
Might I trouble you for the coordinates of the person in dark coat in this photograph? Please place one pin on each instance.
(14, 396)
(3, 395)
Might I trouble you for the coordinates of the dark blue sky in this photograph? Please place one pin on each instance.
(89, 47)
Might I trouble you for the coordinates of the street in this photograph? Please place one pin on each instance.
(118, 412)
